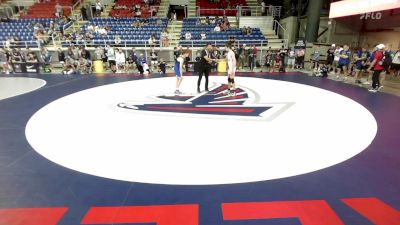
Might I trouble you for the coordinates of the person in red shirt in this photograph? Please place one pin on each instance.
(377, 67)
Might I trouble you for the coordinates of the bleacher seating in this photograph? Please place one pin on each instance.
(129, 12)
(217, 9)
(23, 29)
(123, 28)
(47, 9)
(190, 25)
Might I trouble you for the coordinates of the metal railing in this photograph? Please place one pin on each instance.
(9, 11)
(215, 12)
(281, 32)
(32, 43)
(274, 11)
(155, 8)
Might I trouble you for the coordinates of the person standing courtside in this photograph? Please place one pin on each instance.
(205, 66)
(378, 68)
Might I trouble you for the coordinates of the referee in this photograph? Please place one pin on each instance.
(205, 65)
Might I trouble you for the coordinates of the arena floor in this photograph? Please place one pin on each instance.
(123, 149)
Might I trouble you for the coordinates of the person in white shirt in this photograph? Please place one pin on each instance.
(262, 8)
(111, 58)
(203, 35)
(90, 27)
(217, 28)
(117, 40)
(336, 58)
(396, 64)
(152, 41)
(98, 8)
(291, 58)
(188, 36)
(120, 60)
(102, 31)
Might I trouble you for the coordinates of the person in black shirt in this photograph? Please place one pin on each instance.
(61, 57)
(162, 66)
(330, 57)
(85, 53)
(205, 66)
(282, 55)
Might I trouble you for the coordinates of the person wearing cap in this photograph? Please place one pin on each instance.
(330, 56)
(377, 67)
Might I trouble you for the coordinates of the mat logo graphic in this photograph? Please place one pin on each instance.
(308, 212)
(217, 102)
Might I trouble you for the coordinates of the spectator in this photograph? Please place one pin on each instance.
(85, 53)
(90, 28)
(208, 22)
(243, 30)
(46, 59)
(330, 57)
(376, 64)
(4, 61)
(153, 59)
(61, 57)
(152, 41)
(136, 24)
(98, 53)
(16, 55)
(263, 8)
(248, 30)
(84, 13)
(203, 35)
(242, 56)
(117, 40)
(133, 58)
(76, 53)
(282, 55)
(396, 64)
(255, 52)
(164, 38)
(344, 61)
(159, 22)
(111, 58)
(315, 58)
(269, 60)
(31, 58)
(188, 36)
(41, 38)
(217, 28)
(162, 67)
(336, 58)
(138, 12)
(102, 31)
(291, 58)
(360, 59)
(141, 61)
(98, 7)
(174, 15)
(251, 58)
(59, 10)
(120, 60)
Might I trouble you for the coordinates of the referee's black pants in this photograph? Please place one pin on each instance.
(206, 73)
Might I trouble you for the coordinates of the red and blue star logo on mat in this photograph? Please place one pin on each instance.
(216, 102)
